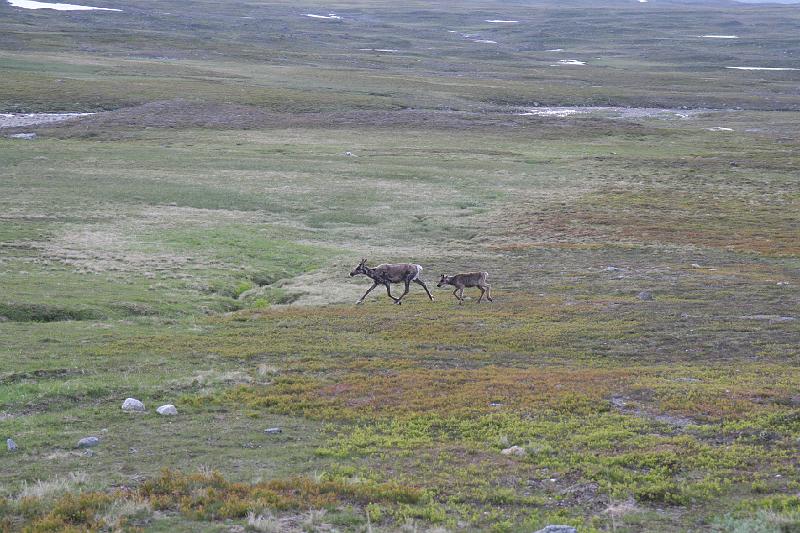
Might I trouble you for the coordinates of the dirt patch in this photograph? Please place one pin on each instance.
(628, 406)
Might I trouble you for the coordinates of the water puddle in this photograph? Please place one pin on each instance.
(763, 68)
(16, 120)
(329, 16)
(29, 4)
(613, 112)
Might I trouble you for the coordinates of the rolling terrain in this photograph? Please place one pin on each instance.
(633, 195)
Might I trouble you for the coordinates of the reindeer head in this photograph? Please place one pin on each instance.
(360, 269)
(444, 281)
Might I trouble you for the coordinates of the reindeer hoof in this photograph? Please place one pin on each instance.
(359, 302)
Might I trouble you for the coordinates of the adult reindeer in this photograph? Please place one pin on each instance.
(387, 274)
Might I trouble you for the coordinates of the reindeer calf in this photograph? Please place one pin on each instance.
(471, 279)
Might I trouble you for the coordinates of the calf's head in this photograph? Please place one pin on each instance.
(444, 281)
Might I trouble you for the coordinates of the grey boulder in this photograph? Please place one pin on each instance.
(132, 404)
(12, 446)
(88, 442)
(558, 529)
(167, 410)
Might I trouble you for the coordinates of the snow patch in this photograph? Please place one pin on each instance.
(763, 68)
(329, 16)
(570, 62)
(30, 4)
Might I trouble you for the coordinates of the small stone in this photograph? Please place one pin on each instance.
(645, 295)
(132, 404)
(12, 446)
(273, 431)
(558, 529)
(88, 442)
(514, 450)
(25, 136)
(167, 410)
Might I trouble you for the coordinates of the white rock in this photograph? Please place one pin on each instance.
(132, 404)
(514, 450)
(558, 529)
(88, 442)
(12, 446)
(167, 410)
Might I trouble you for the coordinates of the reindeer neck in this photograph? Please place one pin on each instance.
(370, 272)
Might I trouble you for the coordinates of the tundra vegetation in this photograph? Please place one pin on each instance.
(190, 244)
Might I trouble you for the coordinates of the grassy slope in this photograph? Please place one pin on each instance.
(154, 230)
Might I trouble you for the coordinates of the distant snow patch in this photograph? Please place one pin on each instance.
(763, 68)
(487, 41)
(720, 36)
(613, 112)
(496, 21)
(552, 112)
(556, 50)
(378, 50)
(30, 4)
(16, 120)
(329, 16)
(719, 128)
(571, 62)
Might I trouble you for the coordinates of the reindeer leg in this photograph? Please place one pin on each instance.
(461, 295)
(404, 292)
(361, 300)
(420, 282)
(455, 293)
(481, 296)
(489, 292)
(389, 292)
